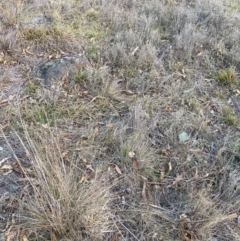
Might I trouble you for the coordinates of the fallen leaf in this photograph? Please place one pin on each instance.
(96, 130)
(233, 215)
(165, 152)
(196, 173)
(135, 50)
(28, 52)
(82, 179)
(110, 125)
(132, 155)
(118, 170)
(97, 97)
(84, 142)
(64, 154)
(144, 195)
(11, 97)
(200, 53)
(144, 178)
(178, 178)
(162, 174)
(183, 137)
(25, 238)
(8, 172)
(127, 92)
(6, 167)
(155, 235)
(183, 216)
(135, 163)
(4, 159)
(194, 150)
(168, 109)
(22, 235)
(90, 167)
(53, 236)
(237, 91)
(45, 126)
(169, 167)
(3, 101)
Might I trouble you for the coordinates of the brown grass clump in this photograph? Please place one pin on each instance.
(63, 200)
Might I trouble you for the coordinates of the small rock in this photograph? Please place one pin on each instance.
(53, 70)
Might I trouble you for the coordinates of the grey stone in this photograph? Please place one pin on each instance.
(49, 72)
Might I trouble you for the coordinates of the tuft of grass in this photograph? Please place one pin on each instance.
(11, 12)
(32, 87)
(80, 76)
(66, 201)
(41, 32)
(49, 112)
(94, 53)
(229, 117)
(92, 13)
(227, 76)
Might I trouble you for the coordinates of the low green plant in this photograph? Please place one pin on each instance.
(80, 76)
(229, 117)
(39, 32)
(92, 14)
(31, 87)
(226, 76)
(194, 104)
(93, 53)
(48, 113)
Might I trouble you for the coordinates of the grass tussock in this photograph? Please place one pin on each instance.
(68, 201)
(227, 76)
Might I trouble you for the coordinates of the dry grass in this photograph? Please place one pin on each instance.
(67, 199)
(158, 69)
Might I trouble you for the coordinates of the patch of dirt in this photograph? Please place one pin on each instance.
(12, 183)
